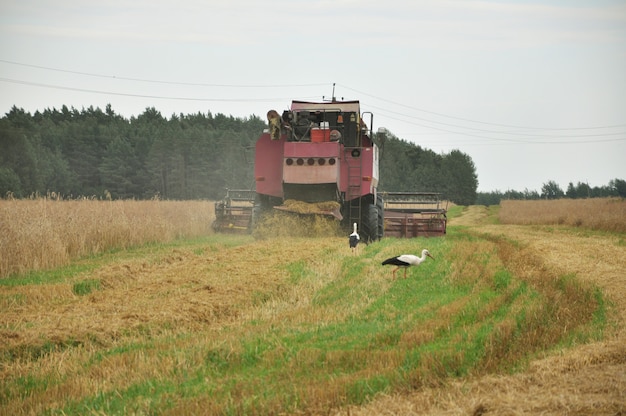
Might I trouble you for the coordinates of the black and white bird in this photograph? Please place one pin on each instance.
(354, 240)
(406, 260)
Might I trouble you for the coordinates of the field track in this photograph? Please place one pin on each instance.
(586, 380)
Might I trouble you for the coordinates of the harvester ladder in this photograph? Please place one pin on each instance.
(354, 186)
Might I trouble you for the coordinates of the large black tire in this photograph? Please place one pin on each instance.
(369, 223)
(380, 207)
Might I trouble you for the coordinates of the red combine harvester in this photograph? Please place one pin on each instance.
(322, 154)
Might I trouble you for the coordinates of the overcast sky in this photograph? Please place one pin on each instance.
(532, 91)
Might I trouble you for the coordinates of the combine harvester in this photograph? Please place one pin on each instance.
(319, 158)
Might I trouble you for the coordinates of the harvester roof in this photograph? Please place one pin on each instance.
(341, 106)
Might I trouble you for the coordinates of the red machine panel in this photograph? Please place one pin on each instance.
(311, 163)
(268, 166)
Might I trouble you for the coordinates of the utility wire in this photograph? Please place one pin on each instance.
(500, 139)
(479, 122)
(89, 74)
(159, 97)
(381, 110)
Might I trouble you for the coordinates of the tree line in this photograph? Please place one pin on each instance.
(97, 153)
(407, 167)
(552, 190)
(92, 152)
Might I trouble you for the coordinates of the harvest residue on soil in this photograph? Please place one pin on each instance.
(585, 380)
(192, 289)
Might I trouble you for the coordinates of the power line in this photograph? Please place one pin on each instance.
(480, 122)
(381, 110)
(499, 139)
(513, 141)
(473, 129)
(193, 84)
(157, 97)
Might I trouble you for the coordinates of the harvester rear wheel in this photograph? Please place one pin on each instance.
(380, 207)
(369, 223)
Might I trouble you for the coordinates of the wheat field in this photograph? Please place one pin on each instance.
(607, 214)
(44, 232)
(47, 232)
(509, 319)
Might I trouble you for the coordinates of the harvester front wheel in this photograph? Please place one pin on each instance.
(254, 217)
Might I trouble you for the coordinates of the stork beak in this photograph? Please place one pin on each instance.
(428, 254)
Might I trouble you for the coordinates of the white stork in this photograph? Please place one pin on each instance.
(406, 260)
(354, 240)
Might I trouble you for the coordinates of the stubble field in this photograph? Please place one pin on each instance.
(586, 379)
(509, 319)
